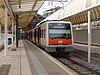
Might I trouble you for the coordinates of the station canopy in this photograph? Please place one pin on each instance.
(2, 15)
(26, 9)
(77, 11)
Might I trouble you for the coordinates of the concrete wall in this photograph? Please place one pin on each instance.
(96, 36)
(82, 35)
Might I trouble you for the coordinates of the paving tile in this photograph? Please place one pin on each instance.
(18, 61)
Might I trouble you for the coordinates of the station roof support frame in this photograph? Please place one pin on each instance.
(77, 9)
(9, 8)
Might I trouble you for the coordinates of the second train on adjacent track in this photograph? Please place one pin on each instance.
(53, 36)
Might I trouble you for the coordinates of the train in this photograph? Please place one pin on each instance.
(53, 36)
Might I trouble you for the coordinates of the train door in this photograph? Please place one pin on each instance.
(39, 34)
(31, 35)
(35, 36)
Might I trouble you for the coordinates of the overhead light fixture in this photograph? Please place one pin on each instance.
(20, 16)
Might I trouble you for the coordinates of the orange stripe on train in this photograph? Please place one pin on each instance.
(60, 41)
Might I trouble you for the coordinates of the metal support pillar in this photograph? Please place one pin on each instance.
(12, 32)
(6, 37)
(89, 36)
(16, 30)
(15, 33)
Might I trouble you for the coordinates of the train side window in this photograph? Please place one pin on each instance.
(40, 33)
(44, 33)
(33, 33)
(36, 33)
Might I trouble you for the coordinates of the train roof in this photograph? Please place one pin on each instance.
(51, 21)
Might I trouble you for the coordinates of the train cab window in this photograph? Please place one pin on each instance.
(67, 26)
(59, 30)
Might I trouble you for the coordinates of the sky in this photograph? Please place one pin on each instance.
(50, 4)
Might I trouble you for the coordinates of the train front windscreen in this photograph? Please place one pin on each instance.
(59, 33)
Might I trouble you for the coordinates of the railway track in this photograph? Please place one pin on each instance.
(94, 56)
(81, 57)
(79, 68)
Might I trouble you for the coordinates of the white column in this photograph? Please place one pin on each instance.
(12, 32)
(6, 38)
(89, 36)
(0, 34)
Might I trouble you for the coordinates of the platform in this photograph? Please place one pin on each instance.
(42, 63)
(84, 47)
(15, 63)
(30, 60)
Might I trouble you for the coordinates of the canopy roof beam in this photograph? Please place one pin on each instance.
(9, 8)
(32, 9)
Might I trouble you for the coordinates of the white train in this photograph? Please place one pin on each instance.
(53, 36)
